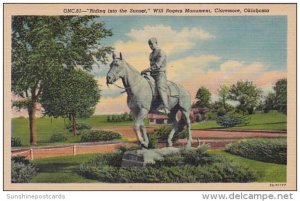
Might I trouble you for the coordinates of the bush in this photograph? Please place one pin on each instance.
(198, 156)
(120, 117)
(176, 168)
(266, 150)
(218, 172)
(16, 142)
(162, 134)
(58, 137)
(101, 135)
(210, 116)
(230, 120)
(79, 126)
(21, 170)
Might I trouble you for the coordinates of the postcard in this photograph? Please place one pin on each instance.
(150, 96)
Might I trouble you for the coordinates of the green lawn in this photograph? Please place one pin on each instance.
(268, 172)
(46, 127)
(260, 121)
(63, 169)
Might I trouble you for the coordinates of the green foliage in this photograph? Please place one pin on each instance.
(280, 89)
(247, 94)
(58, 137)
(162, 133)
(16, 142)
(195, 165)
(223, 93)
(195, 157)
(203, 97)
(278, 100)
(70, 93)
(120, 118)
(21, 170)
(218, 172)
(73, 93)
(231, 120)
(220, 108)
(98, 135)
(267, 150)
(79, 126)
(210, 116)
(44, 45)
(199, 156)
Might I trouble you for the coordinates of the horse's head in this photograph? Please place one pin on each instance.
(117, 69)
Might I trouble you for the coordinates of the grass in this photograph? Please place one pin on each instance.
(268, 172)
(259, 121)
(46, 127)
(63, 169)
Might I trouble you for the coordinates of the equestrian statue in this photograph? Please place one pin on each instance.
(152, 94)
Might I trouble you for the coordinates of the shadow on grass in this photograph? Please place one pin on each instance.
(56, 167)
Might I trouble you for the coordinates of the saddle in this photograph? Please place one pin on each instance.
(173, 90)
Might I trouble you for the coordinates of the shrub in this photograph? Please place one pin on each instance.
(16, 142)
(162, 134)
(79, 126)
(21, 170)
(218, 172)
(98, 135)
(198, 156)
(230, 120)
(176, 168)
(266, 150)
(58, 137)
(210, 116)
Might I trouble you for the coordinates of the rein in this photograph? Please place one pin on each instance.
(125, 88)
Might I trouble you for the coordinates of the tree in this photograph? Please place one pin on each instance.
(223, 93)
(278, 100)
(280, 89)
(247, 94)
(269, 103)
(42, 45)
(204, 96)
(74, 93)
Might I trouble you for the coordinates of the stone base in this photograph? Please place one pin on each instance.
(144, 157)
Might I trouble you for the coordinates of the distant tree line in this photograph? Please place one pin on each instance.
(244, 98)
(120, 117)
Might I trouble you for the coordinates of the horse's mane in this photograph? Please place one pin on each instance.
(130, 66)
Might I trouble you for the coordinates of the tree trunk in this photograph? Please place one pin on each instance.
(32, 123)
(74, 125)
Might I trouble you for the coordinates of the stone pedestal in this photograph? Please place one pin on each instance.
(144, 157)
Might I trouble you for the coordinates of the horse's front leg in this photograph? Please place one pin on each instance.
(140, 129)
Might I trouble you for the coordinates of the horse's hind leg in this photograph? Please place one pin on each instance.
(140, 129)
(186, 115)
(174, 129)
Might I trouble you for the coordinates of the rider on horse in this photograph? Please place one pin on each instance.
(158, 72)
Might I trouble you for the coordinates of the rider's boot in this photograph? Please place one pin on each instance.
(165, 109)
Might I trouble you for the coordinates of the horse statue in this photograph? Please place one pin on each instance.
(143, 99)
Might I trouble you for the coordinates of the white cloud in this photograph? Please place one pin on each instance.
(136, 50)
(168, 34)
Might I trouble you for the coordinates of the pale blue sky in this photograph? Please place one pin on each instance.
(254, 38)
